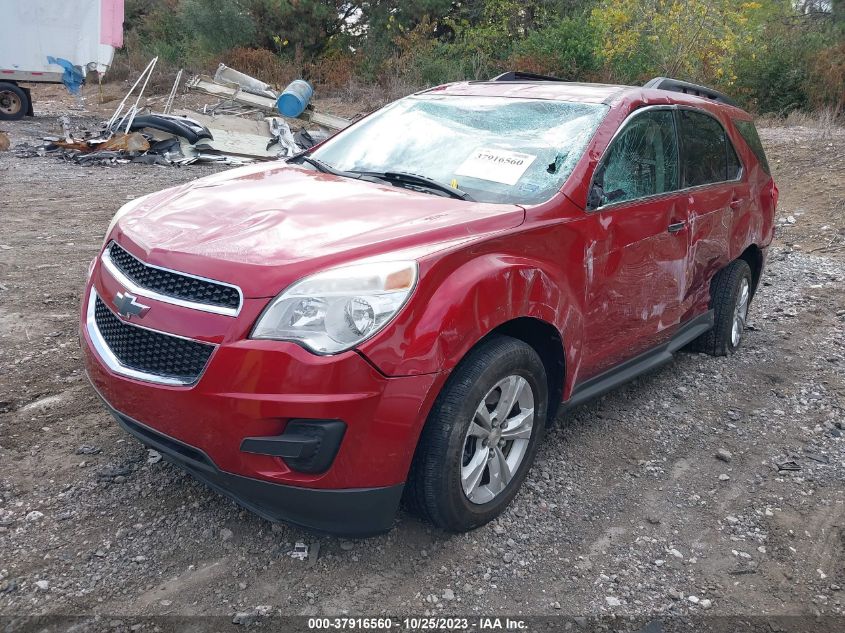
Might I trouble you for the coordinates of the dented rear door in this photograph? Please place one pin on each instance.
(711, 173)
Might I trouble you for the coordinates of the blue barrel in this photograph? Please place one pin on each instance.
(295, 97)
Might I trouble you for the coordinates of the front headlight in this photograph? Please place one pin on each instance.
(335, 310)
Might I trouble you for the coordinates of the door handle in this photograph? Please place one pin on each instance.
(736, 203)
(676, 226)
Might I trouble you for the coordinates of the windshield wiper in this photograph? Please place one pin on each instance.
(402, 177)
(325, 168)
(393, 177)
(321, 166)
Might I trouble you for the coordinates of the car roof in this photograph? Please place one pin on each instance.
(554, 90)
(608, 94)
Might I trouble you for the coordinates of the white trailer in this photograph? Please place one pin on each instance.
(83, 34)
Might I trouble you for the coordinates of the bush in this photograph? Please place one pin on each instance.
(566, 49)
(217, 25)
(261, 64)
(334, 71)
(825, 83)
(154, 28)
(420, 60)
(769, 54)
(795, 66)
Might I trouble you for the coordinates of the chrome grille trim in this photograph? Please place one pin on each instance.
(113, 363)
(134, 288)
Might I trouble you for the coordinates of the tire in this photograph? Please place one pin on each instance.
(14, 102)
(728, 289)
(449, 457)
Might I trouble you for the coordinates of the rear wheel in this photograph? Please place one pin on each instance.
(14, 102)
(730, 297)
(481, 436)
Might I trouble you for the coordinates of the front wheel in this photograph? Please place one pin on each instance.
(481, 436)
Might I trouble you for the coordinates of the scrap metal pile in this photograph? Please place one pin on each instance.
(249, 122)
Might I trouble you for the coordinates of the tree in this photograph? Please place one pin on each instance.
(306, 27)
(690, 39)
(218, 25)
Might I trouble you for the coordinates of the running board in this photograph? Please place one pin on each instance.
(645, 362)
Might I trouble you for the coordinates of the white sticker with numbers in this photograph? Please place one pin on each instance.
(496, 165)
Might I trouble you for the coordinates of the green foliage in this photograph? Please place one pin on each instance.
(214, 26)
(773, 76)
(156, 27)
(294, 28)
(694, 39)
(791, 64)
(773, 55)
(566, 48)
(488, 37)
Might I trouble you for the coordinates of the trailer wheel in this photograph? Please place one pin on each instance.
(14, 102)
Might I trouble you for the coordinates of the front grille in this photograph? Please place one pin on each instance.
(151, 352)
(174, 284)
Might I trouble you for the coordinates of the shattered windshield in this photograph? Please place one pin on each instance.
(496, 149)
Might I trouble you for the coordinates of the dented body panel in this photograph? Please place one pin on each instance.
(263, 227)
(613, 282)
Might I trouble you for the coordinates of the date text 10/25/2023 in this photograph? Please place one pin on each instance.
(423, 623)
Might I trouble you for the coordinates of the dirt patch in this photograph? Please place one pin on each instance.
(627, 510)
(809, 168)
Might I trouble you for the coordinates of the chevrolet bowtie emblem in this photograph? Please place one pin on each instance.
(127, 307)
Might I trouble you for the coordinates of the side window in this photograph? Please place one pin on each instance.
(643, 160)
(734, 166)
(708, 155)
(749, 133)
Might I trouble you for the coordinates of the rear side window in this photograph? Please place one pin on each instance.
(641, 162)
(749, 133)
(708, 155)
(734, 166)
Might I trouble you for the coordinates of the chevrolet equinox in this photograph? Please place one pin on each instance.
(400, 311)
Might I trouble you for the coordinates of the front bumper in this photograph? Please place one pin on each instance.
(254, 389)
(351, 512)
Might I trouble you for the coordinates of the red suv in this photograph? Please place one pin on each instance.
(402, 310)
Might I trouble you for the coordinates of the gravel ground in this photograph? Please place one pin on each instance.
(713, 486)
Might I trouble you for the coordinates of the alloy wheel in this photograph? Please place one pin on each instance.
(497, 439)
(740, 312)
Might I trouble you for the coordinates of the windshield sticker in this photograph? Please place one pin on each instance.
(496, 165)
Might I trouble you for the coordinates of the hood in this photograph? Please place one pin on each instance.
(262, 227)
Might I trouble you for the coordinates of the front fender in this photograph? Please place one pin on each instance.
(457, 303)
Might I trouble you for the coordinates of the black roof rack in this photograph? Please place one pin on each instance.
(676, 85)
(516, 75)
